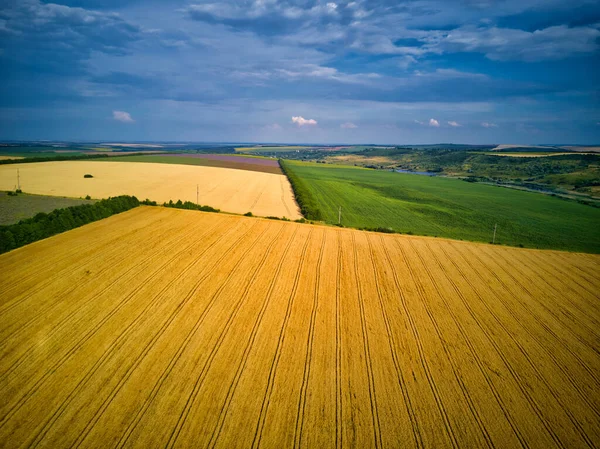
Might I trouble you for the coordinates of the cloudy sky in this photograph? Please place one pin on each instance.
(378, 71)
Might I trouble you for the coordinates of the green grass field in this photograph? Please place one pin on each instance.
(447, 207)
(16, 208)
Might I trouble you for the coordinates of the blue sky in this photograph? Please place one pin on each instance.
(389, 72)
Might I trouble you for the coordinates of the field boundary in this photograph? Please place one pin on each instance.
(306, 201)
(44, 225)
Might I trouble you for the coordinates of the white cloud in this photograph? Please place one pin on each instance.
(325, 73)
(489, 125)
(405, 61)
(301, 121)
(433, 122)
(442, 74)
(273, 127)
(508, 44)
(348, 125)
(454, 124)
(123, 116)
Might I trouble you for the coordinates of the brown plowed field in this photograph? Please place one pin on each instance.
(170, 328)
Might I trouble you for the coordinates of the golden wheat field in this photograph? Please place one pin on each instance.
(177, 329)
(237, 191)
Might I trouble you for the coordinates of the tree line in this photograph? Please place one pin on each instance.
(306, 201)
(44, 225)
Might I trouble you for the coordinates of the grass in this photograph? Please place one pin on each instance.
(14, 208)
(445, 207)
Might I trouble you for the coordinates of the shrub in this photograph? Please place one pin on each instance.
(248, 214)
(377, 229)
(87, 197)
(190, 206)
(11, 193)
(87, 175)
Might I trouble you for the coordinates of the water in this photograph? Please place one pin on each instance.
(424, 173)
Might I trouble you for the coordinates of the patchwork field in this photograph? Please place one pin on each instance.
(260, 148)
(239, 162)
(168, 328)
(445, 207)
(531, 154)
(227, 189)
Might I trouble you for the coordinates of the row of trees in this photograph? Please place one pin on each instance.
(45, 225)
(184, 205)
(306, 201)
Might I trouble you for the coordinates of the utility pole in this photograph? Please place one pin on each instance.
(18, 180)
(494, 239)
(197, 195)
(340, 215)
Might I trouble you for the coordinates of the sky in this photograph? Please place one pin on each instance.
(306, 71)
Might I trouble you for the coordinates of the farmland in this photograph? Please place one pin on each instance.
(237, 191)
(15, 208)
(448, 207)
(527, 168)
(239, 162)
(270, 149)
(167, 328)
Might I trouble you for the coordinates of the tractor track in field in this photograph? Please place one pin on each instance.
(218, 331)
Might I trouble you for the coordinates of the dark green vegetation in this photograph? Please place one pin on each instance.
(243, 162)
(19, 206)
(184, 205)
(87, 175)
(569, 173)
(443, 207)
(44, 225)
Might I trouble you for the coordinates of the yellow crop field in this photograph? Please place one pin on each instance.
(230, 190)
(178, 329)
